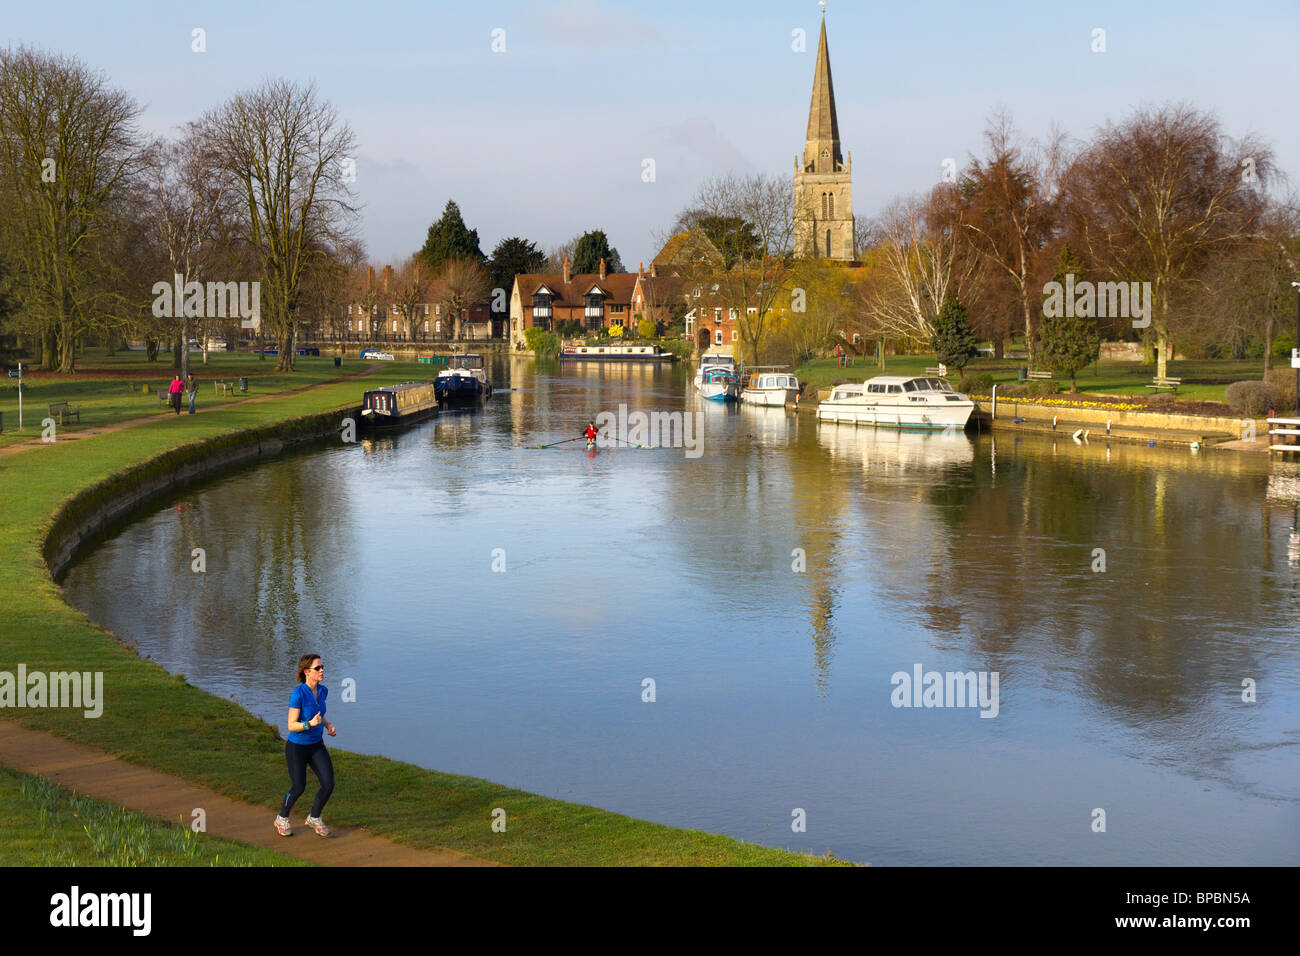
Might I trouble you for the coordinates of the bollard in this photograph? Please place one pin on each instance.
(1108, 427)
(1055, 418)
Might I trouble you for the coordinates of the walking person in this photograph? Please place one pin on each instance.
(174, 394)
(307, 725)
(191, 389)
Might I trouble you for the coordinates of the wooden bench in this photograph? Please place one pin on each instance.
(1166, 382)
(223, 388)
(1043, 376)
(937, 370)
(64, 413)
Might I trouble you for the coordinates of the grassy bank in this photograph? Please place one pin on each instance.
(159, 720)
(48, 825)
(1203, 381)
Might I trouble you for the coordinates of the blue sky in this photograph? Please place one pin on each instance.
(548, 138)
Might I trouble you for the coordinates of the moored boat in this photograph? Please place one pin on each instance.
(771, 388)
(894, 401)
(398, 404)
(718, 377)
(465, 381)
(616, 353)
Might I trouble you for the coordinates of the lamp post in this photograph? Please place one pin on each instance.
(1294, 364)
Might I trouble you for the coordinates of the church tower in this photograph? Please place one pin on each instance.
(823, 184)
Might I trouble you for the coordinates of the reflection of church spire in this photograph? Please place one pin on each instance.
(821, 609)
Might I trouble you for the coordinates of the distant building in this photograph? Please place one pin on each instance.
(597, 300)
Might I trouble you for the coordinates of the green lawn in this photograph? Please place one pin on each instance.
(1203, 381)
(100, 386)
(48, 825)
(159, 720)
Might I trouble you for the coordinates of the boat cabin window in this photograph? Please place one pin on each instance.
(876, 388)
(910, 385)
(895, 388)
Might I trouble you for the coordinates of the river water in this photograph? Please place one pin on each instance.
(501, 611)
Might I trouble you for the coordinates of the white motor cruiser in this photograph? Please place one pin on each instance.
(771, 388)
(894, 401)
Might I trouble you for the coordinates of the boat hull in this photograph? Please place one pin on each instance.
(460, 389)
(374, 420)
(928, 416)
(771, 397)
(718, 391)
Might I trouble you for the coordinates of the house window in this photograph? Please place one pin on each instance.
(437, 309)
(717, 337)
(595, 310)
(731, 314)
(349, 310)
(426, 325)
(717, 316)
(437, 326)
(735, 336)
(616, 309)
(394, 325)
(696, 293)
(426, 311)
(349, 322)
(541, 305)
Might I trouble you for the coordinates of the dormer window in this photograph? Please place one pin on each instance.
(595, 309)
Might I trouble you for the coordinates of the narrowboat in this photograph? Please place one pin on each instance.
(718, 377)
(398, 405)
(771, 388)
(464, 382)
(616, 353)
(893, 401)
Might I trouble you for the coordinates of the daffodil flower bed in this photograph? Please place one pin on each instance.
(1069, 403)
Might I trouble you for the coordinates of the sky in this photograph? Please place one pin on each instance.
(548, 135)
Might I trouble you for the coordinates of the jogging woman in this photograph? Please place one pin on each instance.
(307, 724)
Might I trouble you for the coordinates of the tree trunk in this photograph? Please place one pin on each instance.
(1029, 331)
(176, 351)
(286, 350)
(1268, 343)
(49, 348)
(185, 347)
(1162, 362)
(151, 350)
(67, 349)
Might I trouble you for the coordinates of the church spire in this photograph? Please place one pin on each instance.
(821, 152)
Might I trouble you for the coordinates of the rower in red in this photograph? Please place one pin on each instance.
(590, 433)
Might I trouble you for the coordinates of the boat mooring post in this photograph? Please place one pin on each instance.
(994, 413)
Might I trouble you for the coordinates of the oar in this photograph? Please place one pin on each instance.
(564, 442)
(624, 441)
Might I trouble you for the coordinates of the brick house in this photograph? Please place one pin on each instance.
(597, 300)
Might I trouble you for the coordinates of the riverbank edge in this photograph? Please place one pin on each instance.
(581, 835)
(1157, 427)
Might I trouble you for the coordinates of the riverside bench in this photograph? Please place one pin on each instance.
(1043, 376)
(1166, 382)
(223, 388)
(64, 413)
(937, 370)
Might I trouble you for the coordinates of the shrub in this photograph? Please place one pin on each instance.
(679, 347)
(1282, 381)
(1012, 391)
(541, 342)
(1042, 389)
(646, 329)
(1251, 398)
(980, 384)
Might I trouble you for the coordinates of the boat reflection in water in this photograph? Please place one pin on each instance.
(897, 452)
(770, 424)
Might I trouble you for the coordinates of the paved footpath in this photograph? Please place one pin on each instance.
(105, 777)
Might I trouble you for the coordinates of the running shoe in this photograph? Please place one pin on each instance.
(282, 826)
(317, 824)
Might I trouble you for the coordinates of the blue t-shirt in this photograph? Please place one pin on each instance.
(308, 705)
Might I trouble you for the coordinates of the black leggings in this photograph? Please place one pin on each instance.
(298, 757)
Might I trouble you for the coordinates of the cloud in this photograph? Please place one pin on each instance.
(591, 24)
(699, 138)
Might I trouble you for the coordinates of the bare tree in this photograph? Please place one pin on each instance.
(467, 283)
(68, 148)
(410, 289)
(1152, 198)
(764, 263)
(284, 151)
(1009, 198)
(918, 265)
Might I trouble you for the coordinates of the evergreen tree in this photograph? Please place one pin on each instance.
(591, 248)
(953, 340)
(512, 257)
(1068, 343)
(449, 238)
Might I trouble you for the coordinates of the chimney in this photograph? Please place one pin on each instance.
(653, 271)
(602, 267)
(640, 269)
(566, 271)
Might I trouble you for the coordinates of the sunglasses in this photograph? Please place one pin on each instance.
(318, 667)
